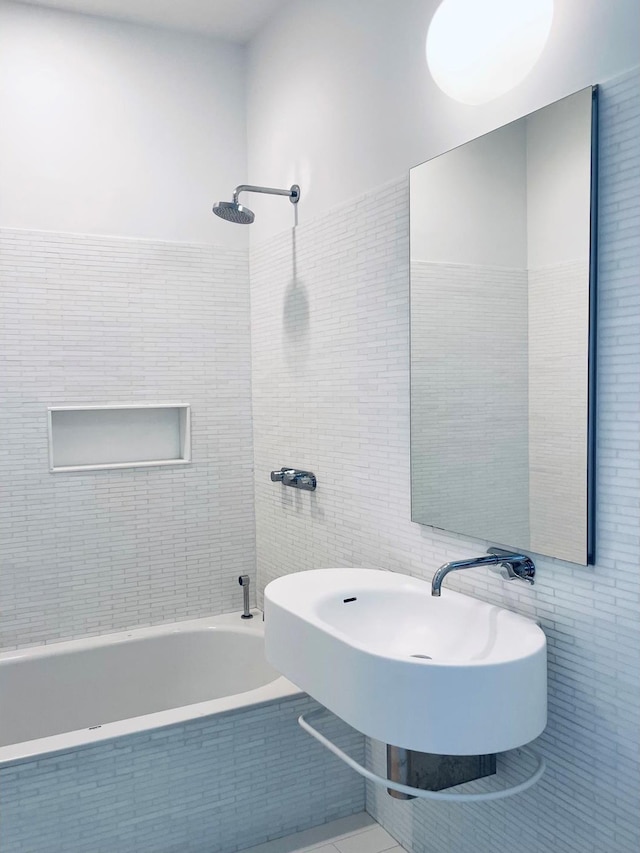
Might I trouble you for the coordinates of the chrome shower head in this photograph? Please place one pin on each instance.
(233, 212)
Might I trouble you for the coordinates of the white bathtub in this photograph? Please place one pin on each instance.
(58, 697)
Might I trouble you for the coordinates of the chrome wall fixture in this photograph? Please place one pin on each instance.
(507, 564)
(244, 581)
(293, 477)
(233, 211)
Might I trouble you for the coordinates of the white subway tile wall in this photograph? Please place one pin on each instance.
(209, 786)
(98, 320)
(330, 321)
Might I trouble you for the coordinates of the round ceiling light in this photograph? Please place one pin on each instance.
(479, 49)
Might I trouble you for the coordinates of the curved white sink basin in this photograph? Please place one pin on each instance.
(449, 675)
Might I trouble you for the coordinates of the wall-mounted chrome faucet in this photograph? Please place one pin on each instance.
(244, 581)
(509, 565)
(293, 477)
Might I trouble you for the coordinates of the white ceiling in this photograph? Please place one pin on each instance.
(234, 20)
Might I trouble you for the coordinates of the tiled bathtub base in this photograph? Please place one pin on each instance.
(213, 786)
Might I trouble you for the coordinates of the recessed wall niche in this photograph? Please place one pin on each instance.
(83, 438)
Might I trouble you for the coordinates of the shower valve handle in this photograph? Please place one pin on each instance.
(293, 477)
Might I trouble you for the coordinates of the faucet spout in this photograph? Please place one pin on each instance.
(456, 566)
(512, 566)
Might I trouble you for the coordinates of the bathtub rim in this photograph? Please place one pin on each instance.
(45, 747)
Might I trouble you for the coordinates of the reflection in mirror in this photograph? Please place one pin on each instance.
(502, 301)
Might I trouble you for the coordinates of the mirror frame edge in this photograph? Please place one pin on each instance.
(593, 332)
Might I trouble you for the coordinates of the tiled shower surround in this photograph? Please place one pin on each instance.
(98, 320)
(330, 324)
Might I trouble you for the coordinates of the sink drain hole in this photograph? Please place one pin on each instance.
(424, 657)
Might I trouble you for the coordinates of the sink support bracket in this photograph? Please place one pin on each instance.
(420, 792)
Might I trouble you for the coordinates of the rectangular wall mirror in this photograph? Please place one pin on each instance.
(503, 334)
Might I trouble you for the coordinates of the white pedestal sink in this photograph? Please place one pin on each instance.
(449, 675)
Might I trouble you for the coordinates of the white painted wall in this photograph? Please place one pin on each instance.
(339, 97)
(118, 129)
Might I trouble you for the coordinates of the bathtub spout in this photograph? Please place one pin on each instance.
(244, 581)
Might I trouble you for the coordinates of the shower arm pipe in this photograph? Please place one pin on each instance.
(293, 193)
